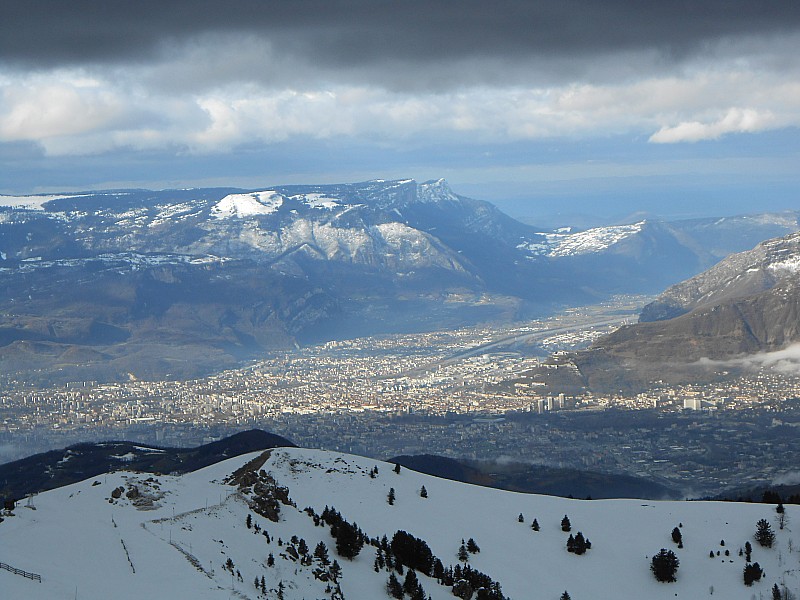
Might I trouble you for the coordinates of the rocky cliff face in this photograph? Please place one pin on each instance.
(738, 276)
(748, 303)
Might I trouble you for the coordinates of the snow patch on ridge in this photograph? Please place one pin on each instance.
(791, 264)
(32, 202)
(318, 201)
(597, 239)
(247, 205)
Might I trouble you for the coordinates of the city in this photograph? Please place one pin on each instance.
(454, 393)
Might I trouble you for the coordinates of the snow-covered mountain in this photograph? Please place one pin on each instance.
(182, 282)
(217, 532)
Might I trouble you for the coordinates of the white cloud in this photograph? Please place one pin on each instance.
(788, 478)
(58, 105)
(786, 361)
(152, 107)
(736, 120)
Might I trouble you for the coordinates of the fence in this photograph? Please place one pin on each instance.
(15, 571)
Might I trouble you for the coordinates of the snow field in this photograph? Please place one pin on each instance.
(73, 537)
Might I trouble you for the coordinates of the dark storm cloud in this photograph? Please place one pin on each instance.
(348, 35)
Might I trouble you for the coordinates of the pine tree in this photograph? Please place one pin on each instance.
(281, 588)
(349, 540)
(410, 584)
(423, 493)
(521, 518)
(565, 596)
(335, 571)
(748, 550)
(664, 565)
(390, 497)
(580, 544)
(752, 573)
(565, 524)
(535, 525)
(379, 563)
(764, 534)
(249, 521)
(438, 570)
(263, 585)
(397, 468)
(270, 560)
(463, 555)
(393, 587)
(676, 536)
(472, 546)
(418, 593)
(321, 554)
(776, 592)
(302, 547)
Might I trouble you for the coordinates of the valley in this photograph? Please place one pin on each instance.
(390, 318)
(455, 393)
(460, 371)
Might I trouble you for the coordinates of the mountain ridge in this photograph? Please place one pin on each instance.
(705, 328)
(217, 531)
(181, 283)
(57, 468)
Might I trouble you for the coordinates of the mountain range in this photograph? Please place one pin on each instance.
(180, 283)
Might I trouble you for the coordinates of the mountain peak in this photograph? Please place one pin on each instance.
(435, 191)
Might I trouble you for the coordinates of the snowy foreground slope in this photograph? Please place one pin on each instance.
(173, 539)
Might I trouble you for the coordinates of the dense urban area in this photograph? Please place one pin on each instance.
(454, 393)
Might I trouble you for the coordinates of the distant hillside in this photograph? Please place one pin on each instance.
(702, 329)
(57, 468)
(788, 493)
(537, 479)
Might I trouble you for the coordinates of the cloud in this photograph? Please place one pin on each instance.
(90, 78)
(363, 41)
(89, 111)
(736, 120)
(789, 478)
(786, 361)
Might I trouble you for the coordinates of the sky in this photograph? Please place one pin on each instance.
(567, 107)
